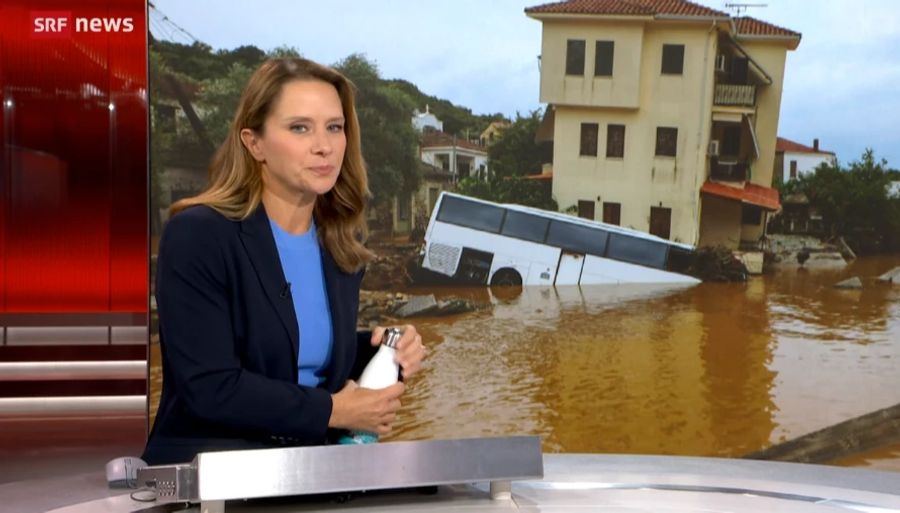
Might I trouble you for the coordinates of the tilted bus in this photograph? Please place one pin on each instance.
(480, 242)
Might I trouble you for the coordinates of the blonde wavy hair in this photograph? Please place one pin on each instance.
(235, 177)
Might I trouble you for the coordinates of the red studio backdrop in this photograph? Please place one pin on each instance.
(73, 158)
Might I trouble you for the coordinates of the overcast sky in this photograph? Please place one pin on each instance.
(842, 84)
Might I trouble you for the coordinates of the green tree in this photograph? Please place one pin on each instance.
(248, 56)
(389, 141)
(160, 143)
(509, 189)
(854, 202)
(459, 121)
(516, 153)
(219, 98)
(196, 60)
(512, 157)
(284, 51)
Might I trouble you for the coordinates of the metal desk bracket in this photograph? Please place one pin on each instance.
(212, 506)
(215, 477)
(501, 490)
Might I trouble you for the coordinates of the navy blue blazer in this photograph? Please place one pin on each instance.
(229, 341)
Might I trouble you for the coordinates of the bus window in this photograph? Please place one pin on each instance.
(679, 260)
(636, 250)
(577, 238)
(470, 214)
(525, 226)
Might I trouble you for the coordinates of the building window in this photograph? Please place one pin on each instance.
(731, 141)
(740, 69)
(666, 141)
(793, 169)
(586, 209)
(660, 221)
(403, 207)
(603, 59)
(463, 169)
(612, 213)
(751, 214)
(615, 141)
(673, 59)
(589, 139)
(575, 57)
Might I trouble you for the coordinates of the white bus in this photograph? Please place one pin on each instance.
(480, 242)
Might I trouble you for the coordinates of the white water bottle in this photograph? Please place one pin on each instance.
(381, 372)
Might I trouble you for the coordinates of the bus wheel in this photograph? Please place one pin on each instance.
(506, 278)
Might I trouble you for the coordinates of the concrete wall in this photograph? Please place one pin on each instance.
(640, 179)
(620, 90)
(771, 57)
(752, 232)
(430, 156)
(721, 222)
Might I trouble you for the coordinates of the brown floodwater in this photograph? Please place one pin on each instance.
(711, 370)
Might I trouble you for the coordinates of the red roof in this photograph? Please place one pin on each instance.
(542, 176)
(787, 145)
(753, 194)
(432, 138)
(747, 26)
(744, 25)
(626, 7)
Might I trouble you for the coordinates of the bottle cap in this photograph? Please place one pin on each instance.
(391, 337)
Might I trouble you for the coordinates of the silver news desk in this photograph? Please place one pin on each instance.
(572, 483)
(215, 477)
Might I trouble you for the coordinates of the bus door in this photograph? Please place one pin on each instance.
(569, 270)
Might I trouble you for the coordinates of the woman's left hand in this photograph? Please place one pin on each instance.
(410, 350)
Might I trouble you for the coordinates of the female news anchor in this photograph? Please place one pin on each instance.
(258, 280)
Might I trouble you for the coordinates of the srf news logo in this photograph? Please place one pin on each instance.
(51, 24)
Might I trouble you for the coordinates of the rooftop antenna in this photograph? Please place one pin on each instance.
(740, 8)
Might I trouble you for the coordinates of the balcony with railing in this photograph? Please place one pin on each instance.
(735, 95)
(729, 170)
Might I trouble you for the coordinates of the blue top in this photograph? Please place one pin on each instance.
(301, 260)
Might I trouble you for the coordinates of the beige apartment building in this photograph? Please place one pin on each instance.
(664, 115)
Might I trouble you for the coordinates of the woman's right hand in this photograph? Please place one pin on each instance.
(363, 409)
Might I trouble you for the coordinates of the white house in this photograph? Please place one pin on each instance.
(454, 154)
(894, 189)
(421, 120)
(793, 159)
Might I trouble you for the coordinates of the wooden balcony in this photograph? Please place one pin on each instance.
(730, 95)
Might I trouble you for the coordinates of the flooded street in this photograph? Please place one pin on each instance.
(720, 369)
(713, 370)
